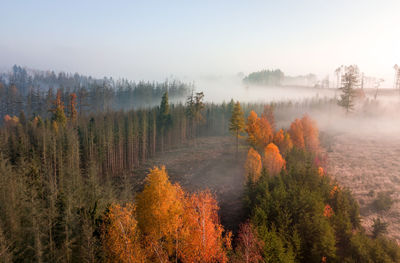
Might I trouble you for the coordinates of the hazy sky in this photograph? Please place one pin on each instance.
(156, 39)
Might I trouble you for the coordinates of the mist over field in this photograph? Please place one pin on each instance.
(219, 89)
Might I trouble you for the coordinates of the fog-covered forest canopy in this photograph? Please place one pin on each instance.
(278, 78)
(33, 91)
(265, 77)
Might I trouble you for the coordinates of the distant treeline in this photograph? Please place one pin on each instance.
(265, 77)
(33, 92)
(277, 78)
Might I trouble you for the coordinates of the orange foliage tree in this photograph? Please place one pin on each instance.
(266, 133)
(279, 137)
(249, 247)
(321, 172)
(296, 134)
(283, 141)
(273, 161)
(304, 134)
(202, 233)
(159, 213)
(259, 130)
(253, 165)
(310, 133)
(252, 128)
(121, 240)
(11, 121)
(328, 211)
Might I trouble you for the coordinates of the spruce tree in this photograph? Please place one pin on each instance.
(350, 81)
(164, 118)
(236, 125)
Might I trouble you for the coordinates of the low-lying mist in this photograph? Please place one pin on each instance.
(219, 89)
(376, 113)
(369, 117)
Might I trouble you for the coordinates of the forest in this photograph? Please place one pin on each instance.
(73, 188)
(33, 92)
(265, 77)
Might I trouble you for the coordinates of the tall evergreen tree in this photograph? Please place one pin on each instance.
(164, 118)
(350, 81)
(236, 125)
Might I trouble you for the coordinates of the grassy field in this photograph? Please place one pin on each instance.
(369, 165)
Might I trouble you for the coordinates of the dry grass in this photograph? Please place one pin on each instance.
(369, 164)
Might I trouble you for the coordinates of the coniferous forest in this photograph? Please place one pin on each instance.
(199, 131)
(68, 192)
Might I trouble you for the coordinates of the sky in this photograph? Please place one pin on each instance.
(154, 40)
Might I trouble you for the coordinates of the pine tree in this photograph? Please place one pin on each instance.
(73, 113)
(350, 81)
(237, 124)
(164, 119)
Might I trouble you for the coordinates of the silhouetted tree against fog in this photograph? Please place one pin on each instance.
(338, 75)
(397, 77)
(164, 118)
(237, 124)
(349, 82)
(194, 109)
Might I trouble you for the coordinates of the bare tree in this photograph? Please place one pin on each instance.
(397, 77)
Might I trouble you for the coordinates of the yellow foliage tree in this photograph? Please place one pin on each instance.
(273, 161)
(159, 213)
(121, 240)
(287, 144)
(253, 165)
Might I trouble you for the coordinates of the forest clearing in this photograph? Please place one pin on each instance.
(210, 163)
